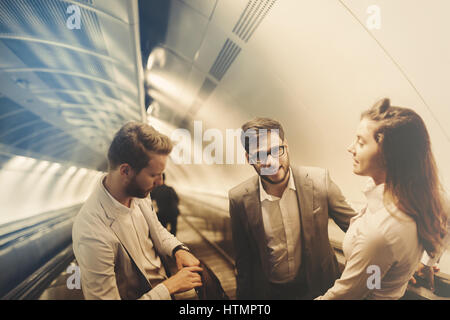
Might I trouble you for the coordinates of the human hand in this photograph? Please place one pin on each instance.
(186, 259)
(184, 280)
(426, 274)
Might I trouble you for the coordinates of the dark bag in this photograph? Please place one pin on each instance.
(211, 288)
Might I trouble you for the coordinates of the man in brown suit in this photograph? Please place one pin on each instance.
(280, 221)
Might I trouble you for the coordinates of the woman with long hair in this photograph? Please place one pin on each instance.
(405, 212)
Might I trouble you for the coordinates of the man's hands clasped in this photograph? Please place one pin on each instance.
(188, 275)
(185, 279)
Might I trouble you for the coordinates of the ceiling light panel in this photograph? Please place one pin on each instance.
(90, 73)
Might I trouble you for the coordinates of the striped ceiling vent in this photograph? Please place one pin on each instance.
(253, 14)
(205, 91)
(249, 20)
(226, 56)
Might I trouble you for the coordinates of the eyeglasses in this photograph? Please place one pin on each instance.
(262, 156)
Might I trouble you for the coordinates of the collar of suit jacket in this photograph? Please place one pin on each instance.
(113, 208)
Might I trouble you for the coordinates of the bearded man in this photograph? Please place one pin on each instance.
(117, 239)
(279, 220)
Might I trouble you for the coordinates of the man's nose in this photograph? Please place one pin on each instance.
(271, 160)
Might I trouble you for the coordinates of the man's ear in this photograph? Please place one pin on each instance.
(125, 170)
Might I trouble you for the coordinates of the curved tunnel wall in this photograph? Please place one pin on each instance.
(31, 187)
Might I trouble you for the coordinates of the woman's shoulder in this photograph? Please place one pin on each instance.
(389, 221)
(371, 241)
(397, 227)
(399, 219)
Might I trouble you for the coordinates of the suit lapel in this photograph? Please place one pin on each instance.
(305, 195)
(305, 204)
(117, 226)
(254, 216)
(114, 221)
(127, 241)
(148, 213)
(253, 211)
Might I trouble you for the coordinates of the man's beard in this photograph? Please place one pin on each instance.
(266, 177)
(133, 190)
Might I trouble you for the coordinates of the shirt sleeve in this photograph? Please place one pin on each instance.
(96, 261)
(160, 292)
(369, 261)
(168, 241)
(339, 209)
(428, 261)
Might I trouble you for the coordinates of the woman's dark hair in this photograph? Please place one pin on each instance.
(412, 181)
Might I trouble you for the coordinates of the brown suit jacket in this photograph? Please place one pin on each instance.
(319, 198)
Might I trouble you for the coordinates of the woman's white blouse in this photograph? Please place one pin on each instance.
(381, 249)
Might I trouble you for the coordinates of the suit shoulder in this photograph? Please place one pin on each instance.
(312, 172)
(241, 188)
(315, 174)
(89, 221)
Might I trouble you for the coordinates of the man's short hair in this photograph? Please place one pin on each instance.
(133, 142)
(258, 124)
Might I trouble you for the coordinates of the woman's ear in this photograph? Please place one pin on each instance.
(379, 137)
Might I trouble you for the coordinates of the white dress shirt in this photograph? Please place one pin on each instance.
(281, 218)
(377, 237)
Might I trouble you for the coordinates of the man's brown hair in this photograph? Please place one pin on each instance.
(132, 143)
(259, 124)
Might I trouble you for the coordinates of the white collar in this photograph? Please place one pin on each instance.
(120, 208)
(374, 194)
(263, 195)
(375, 201)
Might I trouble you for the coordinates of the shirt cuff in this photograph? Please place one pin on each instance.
(160, 292)
(179, 247)
(428, 261)
(174, 244)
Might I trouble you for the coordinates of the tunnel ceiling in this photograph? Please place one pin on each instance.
(312, 65)
(67, 87)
